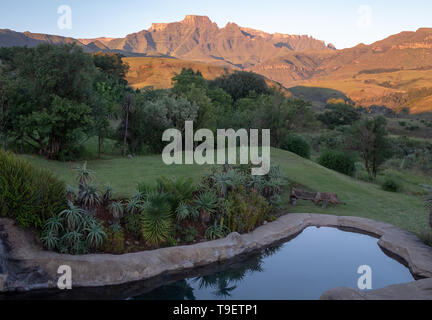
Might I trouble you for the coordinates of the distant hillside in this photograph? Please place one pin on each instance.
(395, 72)
(158, 72)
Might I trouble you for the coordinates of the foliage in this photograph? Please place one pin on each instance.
(245, 211)
(297, 145)
(339, 115)
(133, 222)
(28, 195)
(73, 231)
(116, 209)
(217, 231)
(369, 137)
(190, 234)
(115, 239)
(390, 184)
(178, 189)
(239, 84)
(157, 222)
(150, 118)
(338, 160)
(207, 202)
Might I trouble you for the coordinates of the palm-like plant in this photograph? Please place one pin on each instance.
(157, 221)
(84, 175)
(116, 210)
(178, 189)
(89, 197)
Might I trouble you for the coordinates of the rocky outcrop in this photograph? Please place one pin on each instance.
(105, 270)
(418, 290)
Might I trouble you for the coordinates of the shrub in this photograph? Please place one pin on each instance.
(116, 239)
(28, 195)
(245, 211)
(297, 145)
(391, 185)
(338, 161)
(133, 223)
(178, 189)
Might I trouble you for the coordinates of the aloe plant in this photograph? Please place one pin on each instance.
(73, 216)
(89, 197)
(116, 210)
(96, 235)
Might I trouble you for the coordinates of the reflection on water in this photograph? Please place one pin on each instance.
(317, 260)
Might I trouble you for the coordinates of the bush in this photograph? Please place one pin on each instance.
(28, 195)
(338, 161)
(296, 145)
(245, 211)
(391, 185)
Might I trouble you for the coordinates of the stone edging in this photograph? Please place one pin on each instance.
(40, 267)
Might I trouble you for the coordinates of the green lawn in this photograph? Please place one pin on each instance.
(362, 199)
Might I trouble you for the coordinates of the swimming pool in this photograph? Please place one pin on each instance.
(315, 261)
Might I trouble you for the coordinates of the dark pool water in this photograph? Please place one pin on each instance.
(317, 260)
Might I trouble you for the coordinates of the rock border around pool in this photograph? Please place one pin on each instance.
(24, 265)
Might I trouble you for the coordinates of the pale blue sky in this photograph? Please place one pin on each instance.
(336, 21)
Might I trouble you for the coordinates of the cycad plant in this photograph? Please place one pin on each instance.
(157, 221)
(178, 189)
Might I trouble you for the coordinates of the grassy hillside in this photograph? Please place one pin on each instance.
(158, 72)
(363, 199)
(395, 89)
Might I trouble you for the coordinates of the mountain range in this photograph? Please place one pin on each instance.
(394, 72)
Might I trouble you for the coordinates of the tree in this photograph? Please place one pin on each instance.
(282, 115)
(111, 65)
(339, 115)
(369, 137)
(240, 83)
(52, 110)
(187, 78)
(151, 117)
